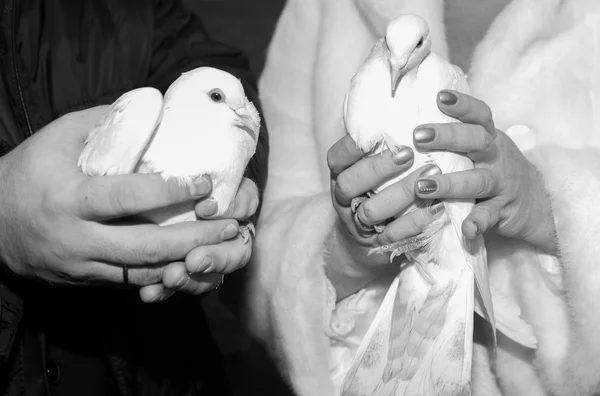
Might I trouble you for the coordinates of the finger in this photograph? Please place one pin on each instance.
(469, 184)
(462, 138)
(484, 216)
(467, 109)
(242, 207)
(223, 258)
(177, 277)
(343, 154)
(394, 199)
(155, 293)
(109, 197)
(410, 224)
(151, 245)
(370, 172)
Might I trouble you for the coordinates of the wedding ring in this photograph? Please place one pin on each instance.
(125, 274)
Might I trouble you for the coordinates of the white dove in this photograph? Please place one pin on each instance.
(205, 125)
(421, 340)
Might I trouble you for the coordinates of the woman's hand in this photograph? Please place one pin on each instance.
(353, 173)
(511, 198)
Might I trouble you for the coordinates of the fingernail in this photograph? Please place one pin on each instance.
(200, 188)
(403, 156)
(181, 281)
(426, 186)
(437, 208)
(424, 135)
(211, 208)
(432, 170)
(230, 231)
(448, 98)
(205, 265)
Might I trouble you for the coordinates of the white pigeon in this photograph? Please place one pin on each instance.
(421, 340)
(205, 125)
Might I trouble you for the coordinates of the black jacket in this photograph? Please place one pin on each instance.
(59, 56)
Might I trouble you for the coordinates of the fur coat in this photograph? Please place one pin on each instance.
(538, 66)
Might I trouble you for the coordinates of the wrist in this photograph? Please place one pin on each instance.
(343, 266)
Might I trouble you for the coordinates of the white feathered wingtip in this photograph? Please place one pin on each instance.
(116, 143)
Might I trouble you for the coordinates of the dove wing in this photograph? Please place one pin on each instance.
(116, 144)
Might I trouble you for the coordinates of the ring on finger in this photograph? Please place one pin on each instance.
(362, 227)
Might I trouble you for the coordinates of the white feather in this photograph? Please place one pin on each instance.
(184, 137)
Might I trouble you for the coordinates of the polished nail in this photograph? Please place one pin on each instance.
(437, 208)
(200, 188)
(431, 170)
(230, 231)
(448, 98)
(205, 265)
(403, 156)
(211, 208)
(426, 186)
(424, 135)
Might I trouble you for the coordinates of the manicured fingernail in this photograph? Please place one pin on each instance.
(424, 135)
(230, 231)
(432, 170)
(211, 208)
(448, 98)
(200, 187)
(437, 208)
(403, 156)
(205, 265)
(426, 186)
(477, 228)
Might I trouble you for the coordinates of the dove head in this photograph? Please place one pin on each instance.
(218, 92)
(408, 43)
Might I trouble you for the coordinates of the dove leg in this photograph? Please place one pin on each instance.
(246, 230)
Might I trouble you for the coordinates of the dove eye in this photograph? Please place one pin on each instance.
(217, 96)
(420, 43)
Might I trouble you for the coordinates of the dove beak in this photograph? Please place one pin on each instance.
(396, 69)
(246, 123)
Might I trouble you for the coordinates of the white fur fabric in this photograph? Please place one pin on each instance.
(539, 65)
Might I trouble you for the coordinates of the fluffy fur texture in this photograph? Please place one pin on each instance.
(545, 78)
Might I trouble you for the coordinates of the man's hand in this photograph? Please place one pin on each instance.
(56, 223)
(204, 267)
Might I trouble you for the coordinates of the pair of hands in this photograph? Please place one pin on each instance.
(60, 226)
(511, 199)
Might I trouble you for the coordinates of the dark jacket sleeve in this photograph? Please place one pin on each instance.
(181, 43)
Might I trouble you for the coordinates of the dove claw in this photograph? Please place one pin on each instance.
(356, 201)
(246, 231)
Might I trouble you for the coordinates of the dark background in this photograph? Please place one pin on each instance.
(247, 25)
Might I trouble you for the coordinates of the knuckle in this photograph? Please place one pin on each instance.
(120, 196)
(344, 187)
(153, 253)
(367, 212)
(488, 140)
(483, 185)
(486, 113)
(332, 158)
(375, 166)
